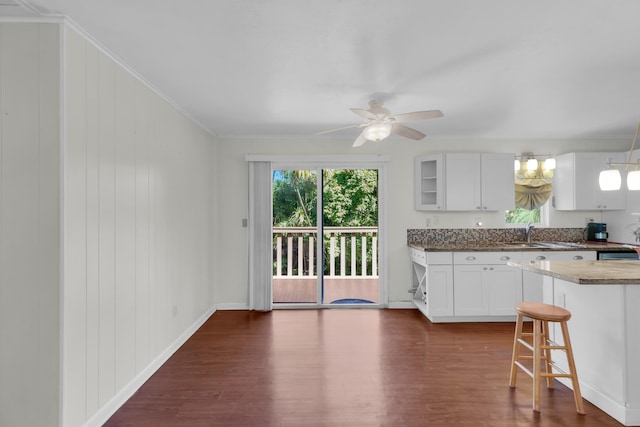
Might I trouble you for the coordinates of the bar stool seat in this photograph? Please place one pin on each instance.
(541, 346)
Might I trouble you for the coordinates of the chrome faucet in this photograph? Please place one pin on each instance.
(528, 232)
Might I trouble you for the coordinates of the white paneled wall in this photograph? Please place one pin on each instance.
(29, 225)
(138, 182)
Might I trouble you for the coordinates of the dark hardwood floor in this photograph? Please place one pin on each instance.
(346, 367)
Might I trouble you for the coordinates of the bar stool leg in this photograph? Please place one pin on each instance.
(537, 338)
(547, 352)
(572, 368)
(516, 351)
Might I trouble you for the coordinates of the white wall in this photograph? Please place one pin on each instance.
(138, 218)
(29, 225)
(233, 190)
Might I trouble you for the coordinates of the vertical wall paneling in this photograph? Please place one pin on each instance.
(49, 256)
(125, 228)
(75, 233)
(29, 224)
(106, 227)
(138, 222)
(93, 227)
(142, 227)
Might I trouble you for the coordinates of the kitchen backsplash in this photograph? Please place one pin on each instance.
(444, 235)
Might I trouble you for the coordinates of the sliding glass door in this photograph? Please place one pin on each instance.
(325, 236)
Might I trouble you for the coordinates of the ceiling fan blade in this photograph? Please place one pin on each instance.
(417, 116)
(341, 128)
(360, 140)
(407, 132)
(365, 114)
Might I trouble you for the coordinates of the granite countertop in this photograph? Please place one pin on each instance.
(587, 272)
(474, 246)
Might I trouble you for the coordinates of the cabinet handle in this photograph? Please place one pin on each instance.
(541, 257)
(478, 207)
(484, 207)
(490, 268)
(578, 257)
(484, 268)
(471, 258)
(504, 258)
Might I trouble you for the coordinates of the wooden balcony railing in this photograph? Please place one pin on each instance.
(349, 252)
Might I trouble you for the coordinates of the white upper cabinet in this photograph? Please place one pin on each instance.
(575, 182)
(429, 182)
(476, 181)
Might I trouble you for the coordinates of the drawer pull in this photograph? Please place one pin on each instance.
(505, 258)
(578, 257)
(540, 257)
(471, 258)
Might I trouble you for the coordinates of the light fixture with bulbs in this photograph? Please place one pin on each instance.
(532, 163)
(377, 131)
(610, 179)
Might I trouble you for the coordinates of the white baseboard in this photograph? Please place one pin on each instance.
(104, 413)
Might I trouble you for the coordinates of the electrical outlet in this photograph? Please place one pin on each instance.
(587, 220)
(477, 221)
(428, 221)
(436, 220)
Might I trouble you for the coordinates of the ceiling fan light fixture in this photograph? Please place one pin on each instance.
(610, 180)
(377, 131)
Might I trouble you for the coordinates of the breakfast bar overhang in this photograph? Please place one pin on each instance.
(604, 299)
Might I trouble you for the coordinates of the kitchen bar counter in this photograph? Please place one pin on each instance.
(603, 298)
(587, 272)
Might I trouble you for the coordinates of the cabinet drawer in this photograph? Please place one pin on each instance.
(558, 256)
(441, 258)
(467, 258)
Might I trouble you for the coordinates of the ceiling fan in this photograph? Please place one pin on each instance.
(379, 123)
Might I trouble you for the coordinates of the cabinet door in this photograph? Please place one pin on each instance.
(469, 295)
(532, 282)
(504, 288)
(462, 178)
(439, 295)
(498, 182)
(429, 182)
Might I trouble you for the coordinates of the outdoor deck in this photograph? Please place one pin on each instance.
(303, 290)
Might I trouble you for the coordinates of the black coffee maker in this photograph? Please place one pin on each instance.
(597, 232)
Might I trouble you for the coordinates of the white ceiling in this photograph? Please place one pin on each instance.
(496, 68)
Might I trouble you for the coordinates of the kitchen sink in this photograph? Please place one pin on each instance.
(544, 245)
(528, 245)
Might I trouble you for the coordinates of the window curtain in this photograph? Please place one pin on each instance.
(260, 238)
(533, 188)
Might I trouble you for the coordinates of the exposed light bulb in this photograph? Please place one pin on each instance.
(633, 180)
(377, 131)
(610, 180)
(550, 163)
(532, 164)
(516, 165)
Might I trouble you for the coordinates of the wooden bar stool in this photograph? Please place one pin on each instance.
(542, 314)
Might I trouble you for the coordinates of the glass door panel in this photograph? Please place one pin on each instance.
(350, 229)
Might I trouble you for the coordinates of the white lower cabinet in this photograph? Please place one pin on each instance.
(484, 285)
(432, 283)
(532, 282)
(477, 286)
